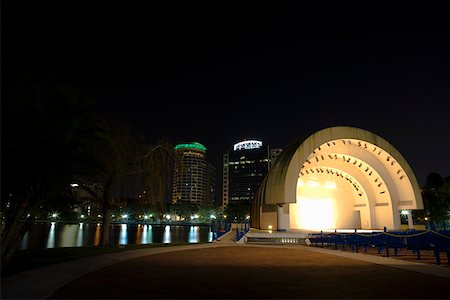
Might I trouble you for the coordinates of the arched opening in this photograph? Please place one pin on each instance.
(348, 183)
(329, 198)
(339, 177)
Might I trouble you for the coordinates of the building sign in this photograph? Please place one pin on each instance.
(251, 144)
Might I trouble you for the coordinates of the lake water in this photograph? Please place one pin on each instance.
(54, 235)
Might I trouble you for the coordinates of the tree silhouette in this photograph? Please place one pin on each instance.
(436, 197)
(47, 132)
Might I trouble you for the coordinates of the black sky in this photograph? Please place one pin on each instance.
(218, 72)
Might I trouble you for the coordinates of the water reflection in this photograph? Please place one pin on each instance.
(68, 235)
(193, 234)
(210, 236)
(137, 241)
(166, 236)
(80, 235)
(97, 235)
(51, 235)
(123, 235)
(24, 244)
(147, 235)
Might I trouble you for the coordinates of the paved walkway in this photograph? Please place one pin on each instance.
(43, 282)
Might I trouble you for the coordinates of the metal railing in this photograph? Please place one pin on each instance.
(242, 228)
(219, 228)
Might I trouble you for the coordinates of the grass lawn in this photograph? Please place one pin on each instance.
(24, 260)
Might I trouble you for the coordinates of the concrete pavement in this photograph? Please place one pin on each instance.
(42, 282)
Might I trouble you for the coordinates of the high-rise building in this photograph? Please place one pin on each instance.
(190, 174)
(244, 168)
(210, 184)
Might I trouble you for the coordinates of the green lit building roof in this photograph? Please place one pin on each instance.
(193, 145)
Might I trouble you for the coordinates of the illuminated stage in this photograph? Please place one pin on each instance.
(339, 177)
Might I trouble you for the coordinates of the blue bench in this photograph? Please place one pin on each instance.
(434, 241)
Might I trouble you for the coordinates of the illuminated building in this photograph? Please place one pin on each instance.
(210, 183)
(339, 177)
(245, 166)
(190, 174)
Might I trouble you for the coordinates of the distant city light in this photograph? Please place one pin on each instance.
(212, 216)
(250, 144)
(82, 216)
(74, 184)
(124, 216)
(54, 215)
(146, 217)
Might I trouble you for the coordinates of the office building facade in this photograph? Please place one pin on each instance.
(244, 167)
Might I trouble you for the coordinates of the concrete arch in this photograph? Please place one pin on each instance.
(372, 163)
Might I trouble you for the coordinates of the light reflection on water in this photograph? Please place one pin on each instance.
(138, 234)
(67, 235)
(166, 236)
(147, 234)
(51, 235)
(97, 235)
(123, 235)
(210, 236)
(193, 234)
(80, 235)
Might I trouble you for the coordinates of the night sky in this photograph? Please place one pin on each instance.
(219, 72)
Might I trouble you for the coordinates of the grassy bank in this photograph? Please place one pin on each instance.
(24, 260)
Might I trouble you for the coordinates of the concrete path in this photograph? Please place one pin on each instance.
(251, 272)
(40, 283)
(435, 270)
